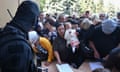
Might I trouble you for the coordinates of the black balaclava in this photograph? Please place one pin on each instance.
(26, 16)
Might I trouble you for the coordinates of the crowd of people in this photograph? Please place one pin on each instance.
(62, 36)
(99, 33)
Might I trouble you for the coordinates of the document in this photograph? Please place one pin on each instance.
(95, 65)
(64, 68)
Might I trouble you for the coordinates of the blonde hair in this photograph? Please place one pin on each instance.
(86, 23)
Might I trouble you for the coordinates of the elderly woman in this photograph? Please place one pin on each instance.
(37, 41)
(86, 30)
(85, 33)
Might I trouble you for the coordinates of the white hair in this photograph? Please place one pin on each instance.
(33, 37)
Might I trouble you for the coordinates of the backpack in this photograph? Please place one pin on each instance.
(11, 34)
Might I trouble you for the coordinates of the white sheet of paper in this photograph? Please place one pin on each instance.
(95, 65)
(64, 68)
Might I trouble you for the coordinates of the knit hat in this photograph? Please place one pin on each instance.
(109, 26)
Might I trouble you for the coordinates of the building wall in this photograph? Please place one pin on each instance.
(12, 6)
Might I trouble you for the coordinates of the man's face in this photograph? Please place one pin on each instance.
(102, 16)
(87, 15)
(41, 16)
(62, 19)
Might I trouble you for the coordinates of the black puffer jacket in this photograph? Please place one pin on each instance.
(15, 52)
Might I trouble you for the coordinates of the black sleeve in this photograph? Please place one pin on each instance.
(55, 45)
(91, 34)
(119, 34)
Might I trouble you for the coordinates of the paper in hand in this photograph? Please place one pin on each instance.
(95, 65)
(64, 68)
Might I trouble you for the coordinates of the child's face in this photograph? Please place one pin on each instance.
(75, 26)
(47, 25)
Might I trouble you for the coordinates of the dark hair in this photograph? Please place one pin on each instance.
(58, 25)
(73, 21)
(118, 13)
(50, 21)
(80, 20)
(87, 12)
(47, 14)
(113, 60)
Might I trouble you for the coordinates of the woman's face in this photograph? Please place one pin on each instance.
(61, 30)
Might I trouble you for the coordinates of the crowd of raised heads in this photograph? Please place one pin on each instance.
(47, 23)
(68, 35)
